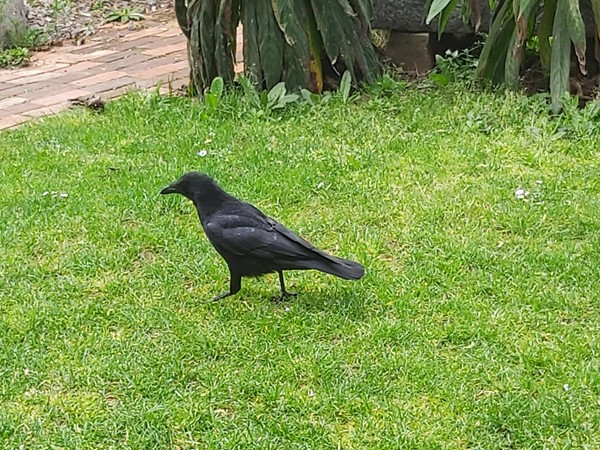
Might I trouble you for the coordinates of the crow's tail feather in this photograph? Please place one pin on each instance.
(340, 267)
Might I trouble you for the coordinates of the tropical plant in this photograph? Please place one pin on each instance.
(556, 25)
(302, 43)
(124, 15)
(14, 57)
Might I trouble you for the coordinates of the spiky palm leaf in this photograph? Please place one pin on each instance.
(560, 29)
(294, 41)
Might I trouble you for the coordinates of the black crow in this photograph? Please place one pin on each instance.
(251, 243)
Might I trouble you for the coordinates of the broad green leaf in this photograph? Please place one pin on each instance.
(225, 37)
(216, 87)
(345, 85)
(264, 99)
(493, 55)
(596, 9)
(306, 95)
(514, 56)
(367, 59)
(207, 20)
(316, 54)
(181, 16)
(364, 12)
(211, 100)
(439, 78)
(292, 19)
(437, 6)
(513, 61)
(250, 91)
(544, 32)
(252, 67)
(526, 7)
(271, 42)
(576, 29)
(276, 93)
(194, 49)
(284, 100)
(338, 32)
(561, 56)
(445, 16)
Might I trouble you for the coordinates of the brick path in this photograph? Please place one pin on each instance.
(109, 65)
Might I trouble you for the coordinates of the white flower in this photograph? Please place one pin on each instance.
(566, 387)
(208, 141)
(202, 153)
(521, 194)
(45, 193)
(64, 194)
(320, 185)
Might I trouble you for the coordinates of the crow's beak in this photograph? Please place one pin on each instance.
(170, 189)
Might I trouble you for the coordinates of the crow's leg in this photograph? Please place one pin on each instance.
(235, 284)
(284, 294)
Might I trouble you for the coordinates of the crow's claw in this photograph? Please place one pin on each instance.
(285, 296)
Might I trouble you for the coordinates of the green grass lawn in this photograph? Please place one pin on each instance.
(476, 326)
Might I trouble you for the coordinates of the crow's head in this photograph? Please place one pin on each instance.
(191, 185)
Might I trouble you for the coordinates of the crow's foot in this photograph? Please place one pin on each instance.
(220, 297)
(285, 296)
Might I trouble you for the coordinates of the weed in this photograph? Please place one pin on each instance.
(14, 57)
(124, 15)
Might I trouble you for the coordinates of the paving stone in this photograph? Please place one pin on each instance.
(11, 101)
(20, 90)
(49, 90)
(115, 56)
(139, 44)
(160, 51)
(172, 40)
(4, 86)
(109, 64)
(60, 98)
(35, 78)
(100, 78)
(118, 92)
(19, 109)
(83, 50)
(111, 85)
(172, 32)
(98, 53)
(69, 77)
(21, 76)
(143, 33)
(46, 110)
(155, 62)
(162, 70)
(129, 61)
(83, 65)
(12, 120)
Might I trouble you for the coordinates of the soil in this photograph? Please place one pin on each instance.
(73, 21)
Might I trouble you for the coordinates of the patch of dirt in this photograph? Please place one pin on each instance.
(75, 20)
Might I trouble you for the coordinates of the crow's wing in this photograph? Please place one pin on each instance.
(253, 235)
(244, 231)
(289, 234)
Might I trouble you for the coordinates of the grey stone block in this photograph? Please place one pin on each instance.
(409, 16)
(13, 16)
